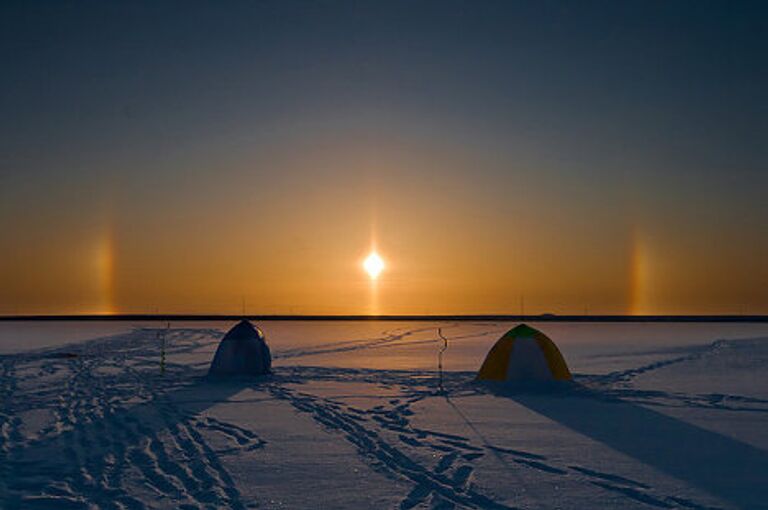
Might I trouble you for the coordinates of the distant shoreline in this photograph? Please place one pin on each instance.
(403, 318)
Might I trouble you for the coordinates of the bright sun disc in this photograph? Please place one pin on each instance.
(373, 265)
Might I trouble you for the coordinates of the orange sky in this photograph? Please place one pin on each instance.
(450, 245)
(598, 158)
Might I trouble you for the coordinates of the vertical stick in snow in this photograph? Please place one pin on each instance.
(162, 334)
(440, 359)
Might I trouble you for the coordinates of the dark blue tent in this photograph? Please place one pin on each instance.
(242, 351)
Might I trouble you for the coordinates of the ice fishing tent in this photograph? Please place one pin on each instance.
(524, 354)
(242, 351)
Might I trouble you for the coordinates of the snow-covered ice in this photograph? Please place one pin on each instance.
(660, 416)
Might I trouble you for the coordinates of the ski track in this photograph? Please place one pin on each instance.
(617, 386)
(94, 453)
(106, 457)
(388, 442)
(389, 338)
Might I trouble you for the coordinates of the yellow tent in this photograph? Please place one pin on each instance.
(524, 354)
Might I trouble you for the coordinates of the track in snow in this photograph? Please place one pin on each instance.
(118, 435)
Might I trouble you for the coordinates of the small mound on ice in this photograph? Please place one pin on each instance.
(242, 351)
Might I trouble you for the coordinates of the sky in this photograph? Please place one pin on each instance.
(501, 157)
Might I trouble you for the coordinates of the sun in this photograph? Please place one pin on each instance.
(373, 265)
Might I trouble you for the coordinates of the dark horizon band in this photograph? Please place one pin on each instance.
(428, 318)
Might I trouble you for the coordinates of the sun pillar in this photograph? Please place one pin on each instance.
(639, 275)
(105, 270)
(373, 265)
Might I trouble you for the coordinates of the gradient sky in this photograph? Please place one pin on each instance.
(557, 157)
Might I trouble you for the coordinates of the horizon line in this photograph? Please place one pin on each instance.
(547, 317)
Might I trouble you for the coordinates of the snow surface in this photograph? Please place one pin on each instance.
(660, 416)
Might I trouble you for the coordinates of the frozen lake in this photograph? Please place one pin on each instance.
(588, 347)
(660, 416)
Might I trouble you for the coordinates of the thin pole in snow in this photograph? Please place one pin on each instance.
(162, 334)
(440, 359)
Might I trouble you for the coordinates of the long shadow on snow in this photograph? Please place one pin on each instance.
(722, 466)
